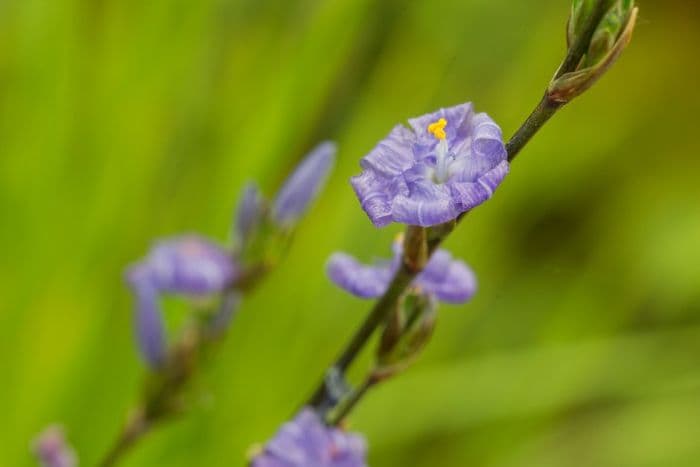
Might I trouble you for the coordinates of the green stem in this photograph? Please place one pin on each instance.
(351, 401)
(134, 430)
(542, 113)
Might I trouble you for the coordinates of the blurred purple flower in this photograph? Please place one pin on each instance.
(307, 442)
(52, 450)
(450, 162)
(188, 265)
(304, 184)
(449, 280)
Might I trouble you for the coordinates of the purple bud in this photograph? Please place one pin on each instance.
(303, 185)
(307, 442)
(52, 450)
(449, 280)
(148, 320)
(249, 212)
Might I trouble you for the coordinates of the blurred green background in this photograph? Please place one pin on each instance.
(125, 121)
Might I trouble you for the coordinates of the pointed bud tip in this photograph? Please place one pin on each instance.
(304, 185)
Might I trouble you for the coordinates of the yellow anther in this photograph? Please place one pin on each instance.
(437, 129)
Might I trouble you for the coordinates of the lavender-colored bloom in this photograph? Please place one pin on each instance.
(52, 450)
(304, 184)
(307, 442)
(449, 280)
(188, 265)
(249, 212)
(450, 162)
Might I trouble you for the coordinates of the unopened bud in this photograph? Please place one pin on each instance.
(406, 333)
(611, 36)
(250, 213)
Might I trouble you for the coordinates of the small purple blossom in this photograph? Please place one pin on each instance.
(450, 161)
(52, 450)
(303, 185)
(449, 280)
(307, 442)
(188, 265)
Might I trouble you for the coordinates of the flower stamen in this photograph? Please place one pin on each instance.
(437, 129)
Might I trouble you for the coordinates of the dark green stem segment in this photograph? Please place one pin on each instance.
(163, 395)
(344, 409)
(542, 113)
(135, 428)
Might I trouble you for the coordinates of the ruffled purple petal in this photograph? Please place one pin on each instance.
(427, 204)
(393, 155)
(358, 279)
(488, 139)
(451, 281)
(375, 198)
(302, 187)
(467, 195)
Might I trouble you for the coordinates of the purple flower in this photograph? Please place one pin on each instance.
(303, 185)
(449, 280)
(450, 162)
(52, 450)
(188, 265)
(307, 442)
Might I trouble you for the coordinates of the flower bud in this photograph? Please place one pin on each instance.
(303, 185)
(263, 229)
(249, 215)
(52, 449)
(406, 333)
(611, 36)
